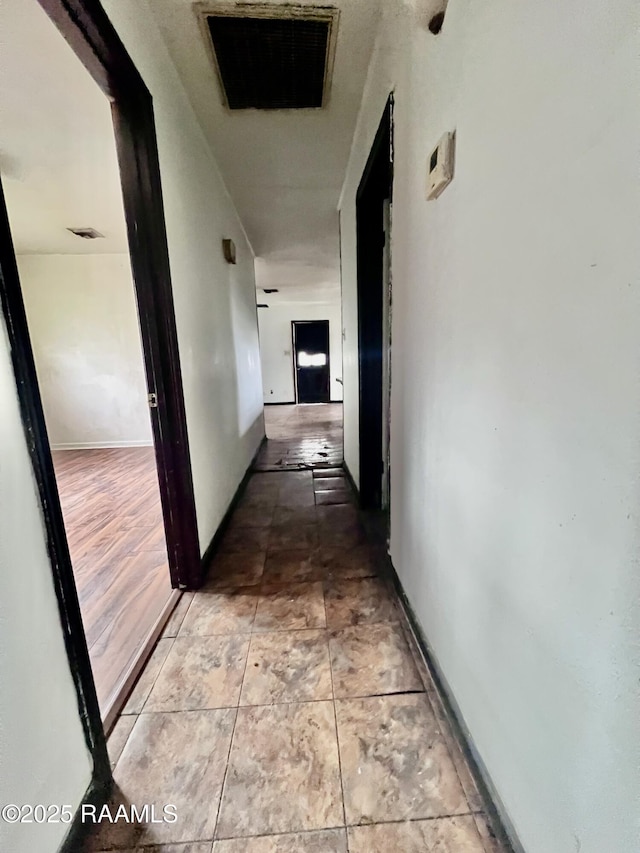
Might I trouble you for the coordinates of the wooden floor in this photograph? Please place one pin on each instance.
(111, 507)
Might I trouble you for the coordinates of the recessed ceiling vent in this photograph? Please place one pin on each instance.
(271, 57)
(86, 233)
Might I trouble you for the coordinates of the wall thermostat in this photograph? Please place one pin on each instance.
(440, 166)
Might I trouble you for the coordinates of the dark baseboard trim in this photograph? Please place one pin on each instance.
(97, 794)
(352, 482)
(293, 403)
(212, 547)
(497, 813)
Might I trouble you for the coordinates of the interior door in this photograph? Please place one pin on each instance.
(311, 360)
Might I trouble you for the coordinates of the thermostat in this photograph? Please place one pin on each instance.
(440, 166)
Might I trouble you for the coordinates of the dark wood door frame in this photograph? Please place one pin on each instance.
(85, 26)
(376, 185)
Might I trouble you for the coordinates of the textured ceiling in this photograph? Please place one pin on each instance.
(284, 169)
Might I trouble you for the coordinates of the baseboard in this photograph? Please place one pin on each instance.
(100, 445)
(293, 403)
(352, 482)
(212, 547)
(97, 794)
(497, 812)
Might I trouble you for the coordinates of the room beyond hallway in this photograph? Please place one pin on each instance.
(113, 521)
(302, 436)
(286, 707)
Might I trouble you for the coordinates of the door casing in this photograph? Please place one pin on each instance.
(86, 27)
(374, 314)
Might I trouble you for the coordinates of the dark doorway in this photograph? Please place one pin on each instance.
(373, 216)
(86, 27)
(311, 360)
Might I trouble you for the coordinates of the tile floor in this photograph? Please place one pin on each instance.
(285, 709)
(307, 436)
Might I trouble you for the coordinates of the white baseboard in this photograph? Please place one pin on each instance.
(100, 445)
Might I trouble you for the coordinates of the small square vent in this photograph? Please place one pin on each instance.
(271, 57)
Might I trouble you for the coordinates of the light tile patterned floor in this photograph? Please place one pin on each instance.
(286, 710)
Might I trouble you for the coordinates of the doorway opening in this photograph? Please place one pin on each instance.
(68, 228)
(311, 360)
(93, 343)
(302, 407)
(373, 230)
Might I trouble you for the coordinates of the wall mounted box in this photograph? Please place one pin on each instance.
(440, 166)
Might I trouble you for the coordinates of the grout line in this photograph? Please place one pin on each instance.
(228, 761)
(335, 716)
(235, 719)
(354, 698)
(345, 827)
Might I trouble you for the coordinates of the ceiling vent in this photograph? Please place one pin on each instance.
(86, 233)
(271, 57)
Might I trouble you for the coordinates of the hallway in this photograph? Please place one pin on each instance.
(366, 274)
(304, 436)
(286, 706)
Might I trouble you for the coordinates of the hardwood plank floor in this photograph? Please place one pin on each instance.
(113, 518)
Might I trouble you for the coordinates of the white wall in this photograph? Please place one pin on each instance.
(43, 756)
(214, 301)
(276, 346)
(84, 332)
(515, 396)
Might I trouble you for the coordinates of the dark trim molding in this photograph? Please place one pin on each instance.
(212, 547)
(41, 461)
(96, 795)
(87, 28)
(500, 821)
(352, 482)
(293, 403)
(375, 187)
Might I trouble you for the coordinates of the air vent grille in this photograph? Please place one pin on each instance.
(273, 60)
